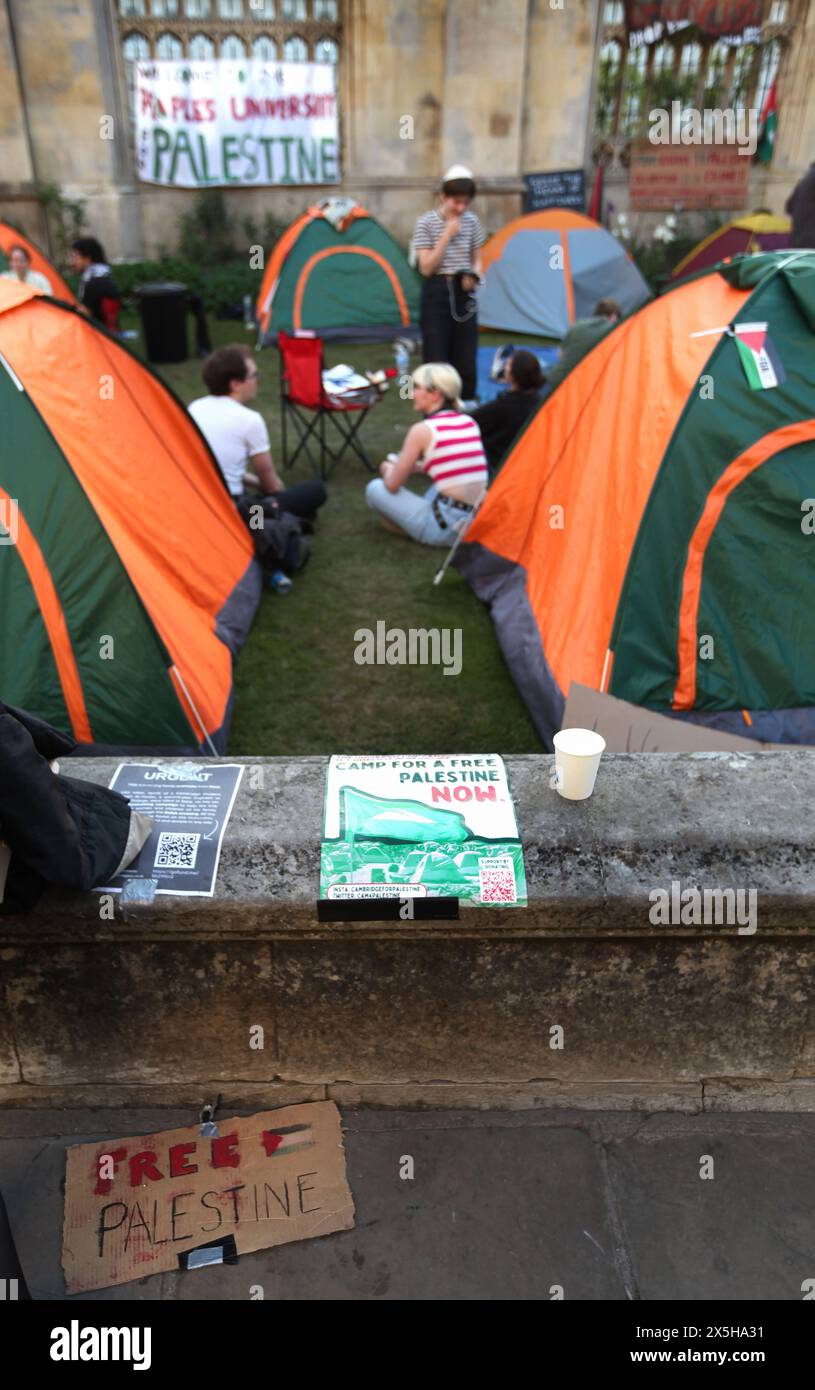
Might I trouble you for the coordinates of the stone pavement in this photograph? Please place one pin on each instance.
(502, 1205)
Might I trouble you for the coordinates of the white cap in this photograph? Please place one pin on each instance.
(457, 171)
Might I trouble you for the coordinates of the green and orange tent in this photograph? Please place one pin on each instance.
(127, 579)
(12, 236)
(337, 273)
(650, 533)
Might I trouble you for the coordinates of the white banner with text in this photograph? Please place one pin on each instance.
(236, 122)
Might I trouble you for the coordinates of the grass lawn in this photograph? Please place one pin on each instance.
(298, 689)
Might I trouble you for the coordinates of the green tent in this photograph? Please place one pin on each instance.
(336, 272)
(652, 532)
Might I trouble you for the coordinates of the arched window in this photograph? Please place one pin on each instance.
(265, 48)
(663, 59)
(164, 9)
(261, 9)
(197, 9)
(634, 85)
(326, 51)
(230, 9)
(740, 79)
(293, 9)
(233, 47)
(169, 46)
(767, 73)
(135, 48)
(715, 75)
(691, 60)
(608, 82)
(325, 9)
(132, 9)
(295, 51)
(201, 48)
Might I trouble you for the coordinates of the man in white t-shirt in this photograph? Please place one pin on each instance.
(238, 436)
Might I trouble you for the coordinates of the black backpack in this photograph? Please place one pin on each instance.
(279, 541)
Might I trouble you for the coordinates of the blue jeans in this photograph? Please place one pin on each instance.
(415, 514)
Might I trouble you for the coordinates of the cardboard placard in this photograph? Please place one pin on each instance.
(687, 176)
(134, 1206)
(628, 728)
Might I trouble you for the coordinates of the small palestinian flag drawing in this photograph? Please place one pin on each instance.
(761, 363)
(286, 1140)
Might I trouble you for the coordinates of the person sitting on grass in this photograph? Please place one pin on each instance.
(500, 421)
(446, 445)
(238, 436)
(20, 270)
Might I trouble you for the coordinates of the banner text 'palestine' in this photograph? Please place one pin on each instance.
(236, 122)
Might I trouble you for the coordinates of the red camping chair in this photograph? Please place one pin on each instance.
(301, 390)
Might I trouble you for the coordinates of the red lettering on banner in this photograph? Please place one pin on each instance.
(178, 1153)
(142, 1166)
(103, 1185)
(224, 1152)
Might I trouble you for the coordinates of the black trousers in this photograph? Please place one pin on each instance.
(444, 338)
(303, 499)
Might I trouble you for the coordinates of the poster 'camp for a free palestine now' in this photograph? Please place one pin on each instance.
(421, 826)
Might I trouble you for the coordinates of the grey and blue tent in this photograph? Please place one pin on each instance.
(544, 270)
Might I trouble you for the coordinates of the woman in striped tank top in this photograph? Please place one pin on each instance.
(446, 445)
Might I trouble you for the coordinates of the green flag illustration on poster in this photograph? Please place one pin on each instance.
(421, 826)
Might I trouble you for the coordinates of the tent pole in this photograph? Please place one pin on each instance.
(459, 537)
(191, 703)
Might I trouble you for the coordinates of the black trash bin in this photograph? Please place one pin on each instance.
(163, 305)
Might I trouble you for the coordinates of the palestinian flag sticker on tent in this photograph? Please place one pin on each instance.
(761, 363)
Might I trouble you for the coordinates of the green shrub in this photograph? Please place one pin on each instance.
(220, 285)
(206, 235)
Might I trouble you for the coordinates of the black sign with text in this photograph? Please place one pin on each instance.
(564, 188)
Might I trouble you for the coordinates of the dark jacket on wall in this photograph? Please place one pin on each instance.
(59, 829)
(801, 207)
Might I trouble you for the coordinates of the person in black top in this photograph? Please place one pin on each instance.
(501, 420)
(96, 278)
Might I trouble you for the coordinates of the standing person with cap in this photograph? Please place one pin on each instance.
(448, 243)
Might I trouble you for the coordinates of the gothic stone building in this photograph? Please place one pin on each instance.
(510, 88)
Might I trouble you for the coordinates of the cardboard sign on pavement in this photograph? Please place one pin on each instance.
(133, 1206)
(628, 728)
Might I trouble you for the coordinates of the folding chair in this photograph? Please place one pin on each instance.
(301, 391)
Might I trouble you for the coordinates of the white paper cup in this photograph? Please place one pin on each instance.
(577, 758)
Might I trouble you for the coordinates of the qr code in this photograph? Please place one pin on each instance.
(497, 879)
(176, 850)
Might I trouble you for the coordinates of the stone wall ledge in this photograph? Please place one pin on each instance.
(575, 1000)
(710, 821)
